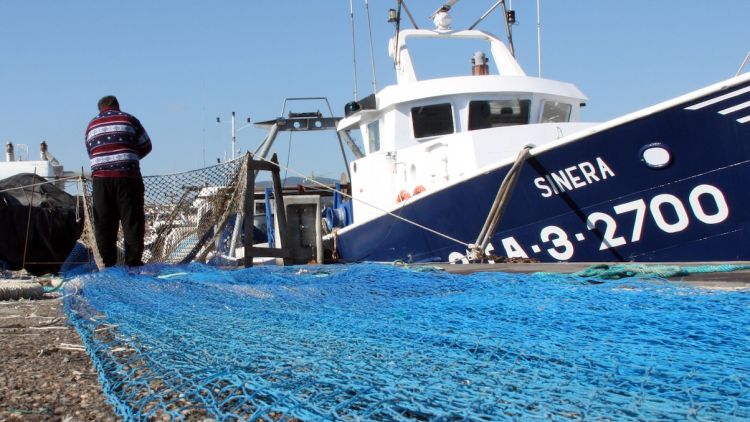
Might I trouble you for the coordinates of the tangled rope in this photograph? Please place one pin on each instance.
(620, 271)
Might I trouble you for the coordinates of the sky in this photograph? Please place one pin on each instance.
(178, 65)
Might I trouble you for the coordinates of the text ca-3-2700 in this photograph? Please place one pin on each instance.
(706, 204)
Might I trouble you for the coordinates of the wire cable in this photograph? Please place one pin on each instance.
(406, 220)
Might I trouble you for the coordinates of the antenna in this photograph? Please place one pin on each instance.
(539, 38)
(444, 8)
(395, 17)
(372, 54)
(354, 50)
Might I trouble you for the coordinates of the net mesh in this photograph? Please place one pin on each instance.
(190, 216)
(375, 342)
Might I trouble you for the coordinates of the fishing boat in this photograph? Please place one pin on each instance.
(498, 164)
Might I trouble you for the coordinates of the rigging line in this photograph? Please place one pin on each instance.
(354, 51)
(28, 223)
(487, 13)
(406, 220)
(742, 66)
(62, 179)
(372, 53)
(78, 208)
(288, 157)
(408, 13)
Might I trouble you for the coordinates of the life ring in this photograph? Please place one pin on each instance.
(419, 189)
(402, 196)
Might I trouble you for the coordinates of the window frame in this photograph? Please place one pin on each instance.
(557, 103)
(373, 128)
(523, 103)
(423, 133)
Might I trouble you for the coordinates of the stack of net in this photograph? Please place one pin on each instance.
(190, 216)
(374, 342)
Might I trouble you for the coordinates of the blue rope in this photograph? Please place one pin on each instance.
(619, 271)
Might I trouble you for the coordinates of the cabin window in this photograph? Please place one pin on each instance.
(373, 136)
(553, 111)
(496, 113)
(432, 120)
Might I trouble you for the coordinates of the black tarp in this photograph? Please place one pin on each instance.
(39, 219)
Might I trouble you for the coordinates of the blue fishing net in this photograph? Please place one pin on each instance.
(376, 342)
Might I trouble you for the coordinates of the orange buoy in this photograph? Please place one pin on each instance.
(419, 189)
(403, 196)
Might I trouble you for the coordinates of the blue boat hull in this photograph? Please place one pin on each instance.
(595, 198)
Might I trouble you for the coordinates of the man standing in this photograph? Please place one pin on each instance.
(116, 142)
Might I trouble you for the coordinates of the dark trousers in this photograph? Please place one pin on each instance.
(119, 200)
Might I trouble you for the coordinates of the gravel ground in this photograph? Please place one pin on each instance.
(45, 374)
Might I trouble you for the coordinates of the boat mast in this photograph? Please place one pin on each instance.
(539, 38)
(372, 53)
(354, 50)
(234, 137)
(394, 16)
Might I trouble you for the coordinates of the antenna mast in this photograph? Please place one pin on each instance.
(444, 8)
(539, 38)
(394, 16)
(372, 54)
(354, 50)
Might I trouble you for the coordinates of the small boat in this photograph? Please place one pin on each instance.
(484, 165)
(39, 221)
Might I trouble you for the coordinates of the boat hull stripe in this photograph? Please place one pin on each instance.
(718, 99)
(744, 119)
(746, 104)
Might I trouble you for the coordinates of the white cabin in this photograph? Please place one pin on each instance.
(422, 135)
(16, 162)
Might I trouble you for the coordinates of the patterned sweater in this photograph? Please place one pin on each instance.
(116, 142)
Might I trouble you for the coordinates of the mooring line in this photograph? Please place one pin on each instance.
(406, 220)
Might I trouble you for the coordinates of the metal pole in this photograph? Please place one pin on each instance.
(408, 13)
(354, 52)
(539, 38)
(486, 14)
(372, 53)
(234, 137)
(742, 66)
(248, 210)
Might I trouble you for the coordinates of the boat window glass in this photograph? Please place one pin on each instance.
(373, 136)
(496, 113)
(432, 120)
(553, 111)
